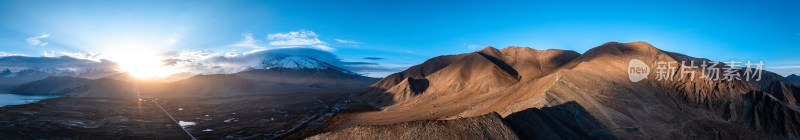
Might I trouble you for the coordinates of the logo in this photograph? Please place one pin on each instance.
(637, 70)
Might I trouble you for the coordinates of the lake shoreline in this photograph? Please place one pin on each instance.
(7, 99)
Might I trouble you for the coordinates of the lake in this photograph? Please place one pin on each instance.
(14, 99)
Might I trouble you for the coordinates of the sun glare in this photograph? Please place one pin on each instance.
(141, 64)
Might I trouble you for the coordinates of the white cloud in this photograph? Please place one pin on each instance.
(254, 51)
(37, 40)
(196, 62)
(293, 39)
(784, 67)
(83, 55)
(248, 41)
(4, 54)
(324, 47)
(48, 54)
(785, 70)
(301, 37)
(346, 41)
(473, 46)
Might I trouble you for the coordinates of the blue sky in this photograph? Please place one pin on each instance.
(402, 33)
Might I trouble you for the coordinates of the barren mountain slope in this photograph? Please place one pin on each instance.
(466, 87)
(596, 80)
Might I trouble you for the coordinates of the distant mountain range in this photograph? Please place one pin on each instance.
(561, 94)
(794, 78)
(10, 78)
(275, 75)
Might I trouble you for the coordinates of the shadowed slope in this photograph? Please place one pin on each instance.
(565, 121)
(489, 126)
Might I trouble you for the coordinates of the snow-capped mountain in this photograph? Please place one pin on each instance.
(52, 72)
(10, 76)
(298, 62)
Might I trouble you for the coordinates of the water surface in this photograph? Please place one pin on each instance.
(14, 99)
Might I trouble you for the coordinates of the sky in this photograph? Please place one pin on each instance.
(377, 38)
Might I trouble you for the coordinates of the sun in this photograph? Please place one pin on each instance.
(141, 63)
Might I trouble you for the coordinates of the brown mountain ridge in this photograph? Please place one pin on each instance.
(519, 83)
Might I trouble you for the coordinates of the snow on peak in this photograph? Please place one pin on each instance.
(293, 62)
(297, 62)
